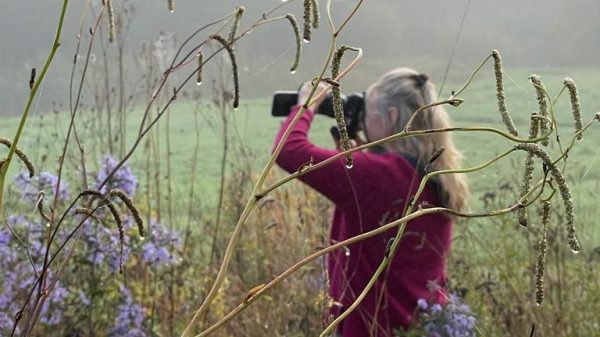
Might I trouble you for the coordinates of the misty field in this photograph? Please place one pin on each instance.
(137, 199)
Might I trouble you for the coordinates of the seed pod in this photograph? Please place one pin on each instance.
(563, 187)
(292, 19)
(236, 84)
(525, 187)
(171, 5)
(540, 91)
(575, 107)
(6, 142)
(129, 204)
(541, 258)
(316, 16)
(500, 94)
(338, 107)
(534, 125)
(111, 21)
(307, 18)
(236, 24)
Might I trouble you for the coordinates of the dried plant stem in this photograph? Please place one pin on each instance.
(337, 156)
(6, 163)
(252, 201)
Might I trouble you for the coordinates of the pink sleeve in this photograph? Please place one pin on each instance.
(332, 180)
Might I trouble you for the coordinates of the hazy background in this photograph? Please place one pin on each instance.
(420, 34)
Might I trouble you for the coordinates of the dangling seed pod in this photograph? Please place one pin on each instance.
(199, 73)
(575, 107)
(540, 91)
(292, 19)
(129, 204)
(236, 24)
(20, 154)
(338, 107)
(500, 94)
(111, 21)
(316, 16)
(541, 258)
(563, 187)
(525, 187)
(527, 171)
(171, 5)
(307, 20)
(236, 84)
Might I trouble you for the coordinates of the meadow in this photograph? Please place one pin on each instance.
(136, 250)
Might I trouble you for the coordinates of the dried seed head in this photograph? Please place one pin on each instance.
(171, 5)
(239, 12)
(111, 21)
(525, 187)
(199, 73)
(129, 204)
(292, 19)
(88, 212)
(307, 18)
(500, 94)
(563, 187)
(236, 84)
(534, 125)
(6, 142)
(94, 193)
(575, 107)
(542, 99)
(338, 107)
(316, 15)
(541, 259)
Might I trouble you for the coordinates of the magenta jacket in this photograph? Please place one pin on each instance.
(374, 192)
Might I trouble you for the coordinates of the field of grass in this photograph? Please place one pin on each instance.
(492, 262)
(253, 130)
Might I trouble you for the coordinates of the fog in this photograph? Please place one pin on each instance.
(419, 34)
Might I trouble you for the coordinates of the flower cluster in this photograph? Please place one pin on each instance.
(162, 246)
(123, 178)
(454, 319)
(44, 182)
(23, 244)
(130, 317)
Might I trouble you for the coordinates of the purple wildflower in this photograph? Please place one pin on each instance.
(123, 178)
(455, 319)
(157, 250)
(44, 182)
(130, 317)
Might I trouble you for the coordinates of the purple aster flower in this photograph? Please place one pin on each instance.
(44, 182)
(162, 247)
(123, 178)
(130, 317)
(422, 304)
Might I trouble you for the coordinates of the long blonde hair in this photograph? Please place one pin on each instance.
(407, 90)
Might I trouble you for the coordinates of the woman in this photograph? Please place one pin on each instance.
(377, 191)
